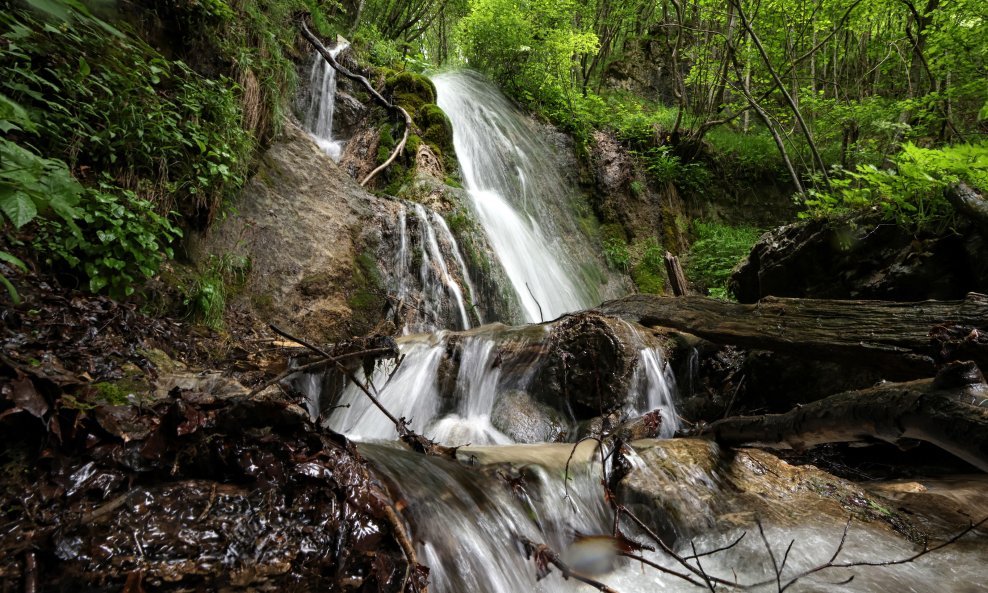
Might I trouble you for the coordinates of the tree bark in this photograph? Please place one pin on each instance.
(947, 416)
(677, 279)
(969, 203)
(904, 340)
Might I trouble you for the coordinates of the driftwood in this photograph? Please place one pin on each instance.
(948, 412)
(905, 340)
(328, 56)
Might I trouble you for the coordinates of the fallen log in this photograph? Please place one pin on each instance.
(948, 412)
(905, 340)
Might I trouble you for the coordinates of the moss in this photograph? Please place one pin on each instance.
(648, 280)
(366, 299)
(410, 90)
(412, 146)
(116, 393)
(613, 232)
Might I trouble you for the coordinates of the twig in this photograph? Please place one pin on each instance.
(328, 56)
(541, 317)
(316, 364)
(544, 555)
(703, 573)
(30, 572)
(399, 424)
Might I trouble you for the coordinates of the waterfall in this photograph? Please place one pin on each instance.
(451, 412)
(520, 198)
(319, 114)
(435, 293)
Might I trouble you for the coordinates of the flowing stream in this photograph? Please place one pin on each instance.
(469, 516)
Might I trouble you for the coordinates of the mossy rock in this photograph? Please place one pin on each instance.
(411, 91)
(648, 280)
(365, 295)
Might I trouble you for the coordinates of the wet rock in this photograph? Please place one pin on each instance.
(863, 257)
(684, 487)
(427, 163)
(525, 420)
(297, 224)
(589, 366)
(359, 156)
(623, 196)
(348, 113)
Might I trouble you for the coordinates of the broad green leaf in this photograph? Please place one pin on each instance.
(19, 208)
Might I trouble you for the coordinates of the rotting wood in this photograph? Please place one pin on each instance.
(944, 413)
(677, 279)
(905, 340)
(328, 56)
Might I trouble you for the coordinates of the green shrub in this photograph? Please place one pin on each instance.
(715, 252)
(911, 193)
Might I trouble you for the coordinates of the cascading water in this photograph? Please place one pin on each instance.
(319, 114)
(468, 521)
(453, 413)
(520, 198)
(435, 293)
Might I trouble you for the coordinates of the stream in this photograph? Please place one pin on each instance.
(477, 387)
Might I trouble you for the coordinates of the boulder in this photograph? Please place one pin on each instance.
(299, 224)
(863, 257)
(589, 365)
(525, 420)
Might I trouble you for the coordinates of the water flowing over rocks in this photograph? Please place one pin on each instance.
(487, 384)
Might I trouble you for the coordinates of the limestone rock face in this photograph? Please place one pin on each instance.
(299, 223)
(863, 258)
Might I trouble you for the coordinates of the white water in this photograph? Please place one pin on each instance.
(413, 391)
(520, 198)
(319, 116)
(435, 293)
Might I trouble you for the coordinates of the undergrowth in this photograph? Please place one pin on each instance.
(717, 249)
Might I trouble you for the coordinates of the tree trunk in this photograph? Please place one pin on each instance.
(943, 412)
(904, 340)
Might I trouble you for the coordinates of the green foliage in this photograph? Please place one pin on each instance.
(205, 293)
(115, 105)
(715, 252)
(911, 192)
(649, 272)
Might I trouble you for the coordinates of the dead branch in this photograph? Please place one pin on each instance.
(544, 556)
(922, 410)
(968, 202)
(318, 364)
(396, 109)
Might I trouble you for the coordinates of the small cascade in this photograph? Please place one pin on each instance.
(521, 199)
(449, 409)
(319, 114)
(468, 532)
(435, 292)
(654, 385)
